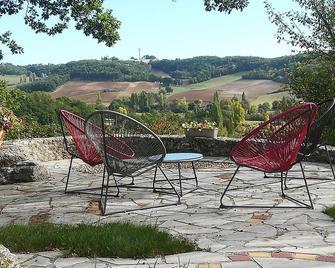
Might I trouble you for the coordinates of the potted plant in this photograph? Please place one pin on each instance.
(7, 121)
(200, 129)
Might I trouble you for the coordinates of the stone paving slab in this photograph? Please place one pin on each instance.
(220, 233)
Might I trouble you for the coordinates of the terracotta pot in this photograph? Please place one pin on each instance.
(204, 132)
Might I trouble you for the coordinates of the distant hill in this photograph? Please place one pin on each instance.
(228, 86)
(168, 72)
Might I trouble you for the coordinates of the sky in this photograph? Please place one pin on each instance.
(164, 28)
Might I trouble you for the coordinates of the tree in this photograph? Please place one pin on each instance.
(275, 105)
(264, 107)
(88, 15)
(238, 112)
(217, 116)
(162, 101)
(226, 6)
(183, 105)
(245, 103)
(98, 102)
(168, 89)
(312, 28)
(313, 81)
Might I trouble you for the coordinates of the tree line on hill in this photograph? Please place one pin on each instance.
(199, 69)
(166, 117)
(192, 70)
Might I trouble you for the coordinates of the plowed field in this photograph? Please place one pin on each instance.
(87, 91)
(252, 88)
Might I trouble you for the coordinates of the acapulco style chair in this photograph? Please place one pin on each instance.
(78, 146)
(128, 149)
(313, 141)
(273, 148)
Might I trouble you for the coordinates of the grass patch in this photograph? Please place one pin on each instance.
(123, 240)
(330, 212)
(212, 83)
(11, 79)
(270, 98)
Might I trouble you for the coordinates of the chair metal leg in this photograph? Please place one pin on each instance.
(309, 196)
(305, 205)
(224, 192)
(103, 180)
(117, 187)
(103, 198)
(330, 161)
(285, 180)
(68, 175)
(282, 183)
(302, 204)
(154, 181)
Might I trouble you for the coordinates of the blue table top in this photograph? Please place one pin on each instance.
(182, 157)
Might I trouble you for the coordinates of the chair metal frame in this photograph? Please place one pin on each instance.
(104, 149)
(64, 121)
(313, 140)
(311, 109)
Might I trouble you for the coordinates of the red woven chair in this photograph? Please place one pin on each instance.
(78, 146)
(274, 145)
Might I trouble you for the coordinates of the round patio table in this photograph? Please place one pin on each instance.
(179, 158)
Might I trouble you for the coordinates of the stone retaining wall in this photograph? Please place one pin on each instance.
(47, 149)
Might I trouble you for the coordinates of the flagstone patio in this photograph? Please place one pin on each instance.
(228, 237)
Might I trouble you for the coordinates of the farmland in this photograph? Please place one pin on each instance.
(254, 90)
(12, 79)
(228, 86)
(87, 91)
(212, 83)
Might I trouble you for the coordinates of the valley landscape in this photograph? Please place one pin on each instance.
(235, 92)
(228, 86)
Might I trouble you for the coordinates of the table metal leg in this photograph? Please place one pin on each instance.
(195, 175)
(180, 186)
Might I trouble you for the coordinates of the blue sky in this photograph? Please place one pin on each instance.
(163, 28)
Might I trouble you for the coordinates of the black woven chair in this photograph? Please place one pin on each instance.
(127, 148)
(317, 135)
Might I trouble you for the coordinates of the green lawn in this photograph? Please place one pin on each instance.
(122, 240)
(212, 83)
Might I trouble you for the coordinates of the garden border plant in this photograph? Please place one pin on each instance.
(330, 211)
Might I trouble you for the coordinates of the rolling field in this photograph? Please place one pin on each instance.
(11, 79)
(87, 90)
(269, 97)
(212, 83)
(257, 91)
(254, 89)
